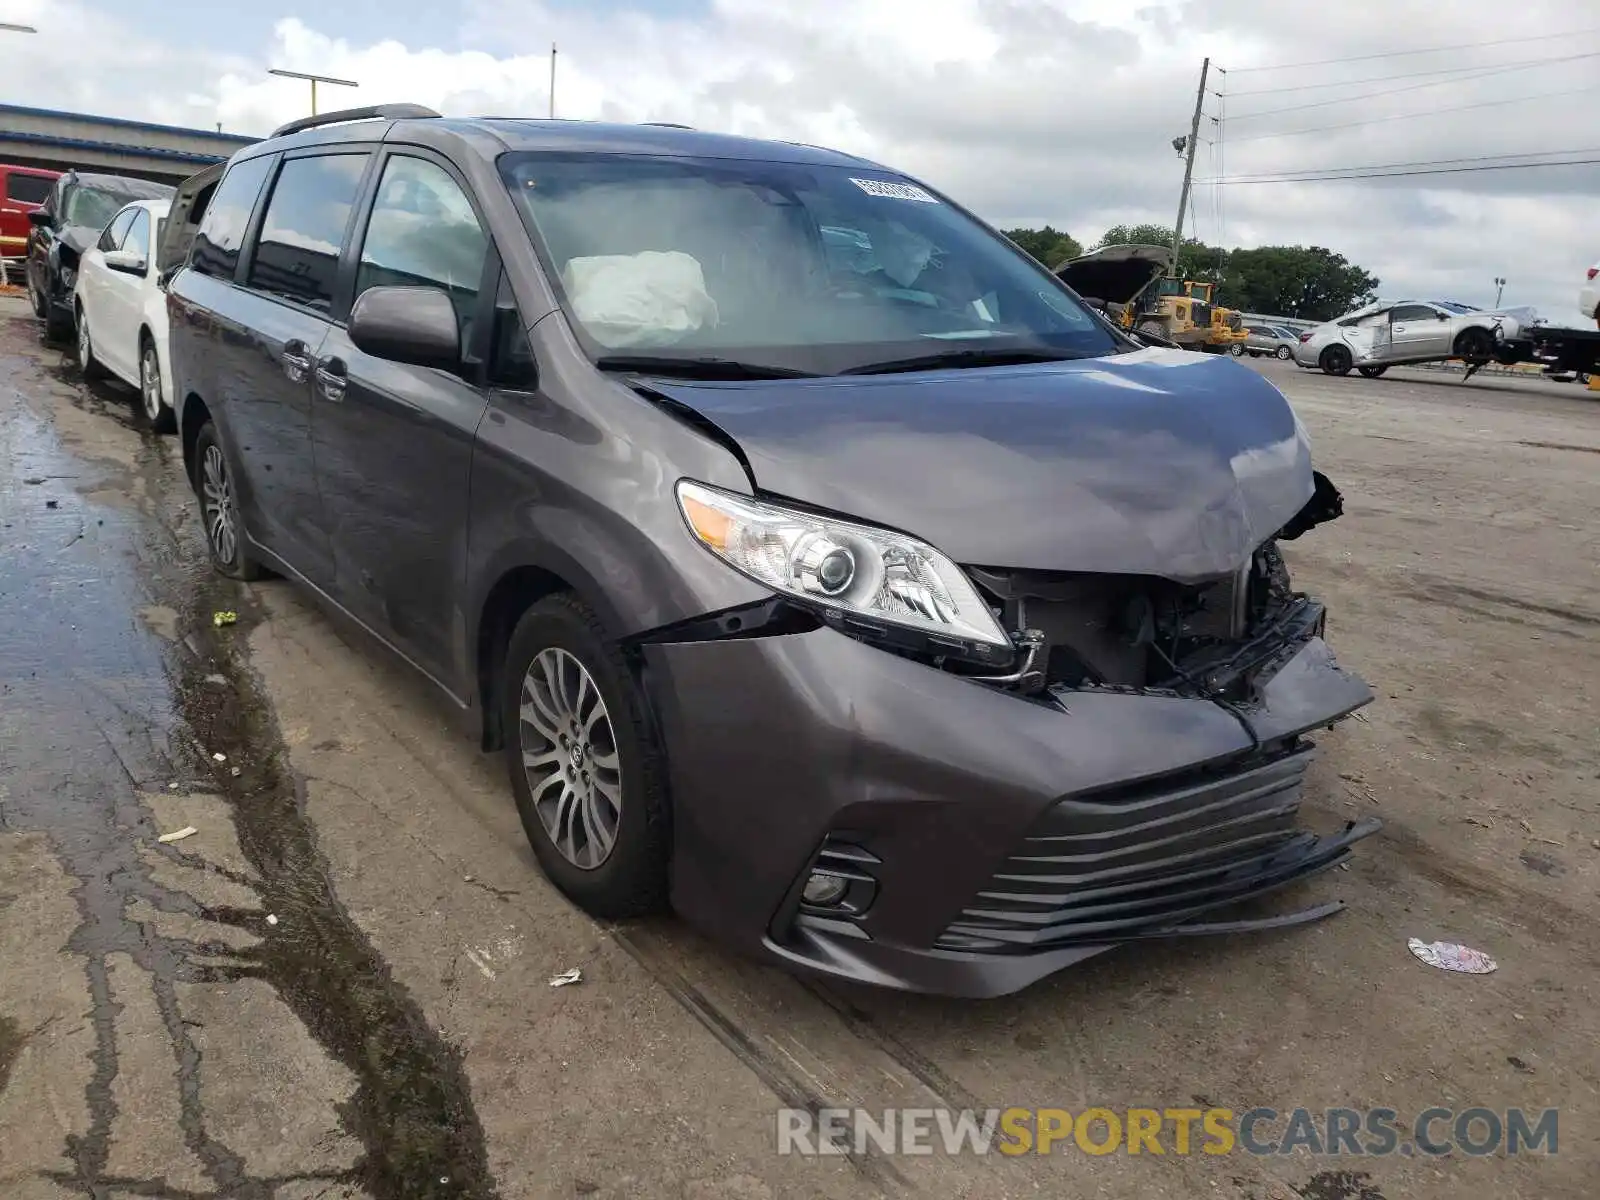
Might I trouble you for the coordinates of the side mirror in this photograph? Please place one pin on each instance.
(129, 262)
(414, 325)
(39, 217)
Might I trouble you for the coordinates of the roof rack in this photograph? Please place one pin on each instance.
(389, 112)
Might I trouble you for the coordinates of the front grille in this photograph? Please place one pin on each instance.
(1135, 861)
(1200, 313)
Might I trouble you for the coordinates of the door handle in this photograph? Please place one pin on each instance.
(332, 375)
(296, 361)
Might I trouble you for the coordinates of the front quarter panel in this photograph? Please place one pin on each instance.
(578, 478)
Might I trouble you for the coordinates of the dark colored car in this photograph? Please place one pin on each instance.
(821, 564)
(77, 208)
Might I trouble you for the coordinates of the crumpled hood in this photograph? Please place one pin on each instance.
(1160, 462)
(79, 237)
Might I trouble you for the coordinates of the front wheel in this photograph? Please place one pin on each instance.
(1282, 352)
(1371, 372)
(219, 510)
(1238, 351)
(1336, 360)
(156, 410)
(585, 767)
(1475, 345)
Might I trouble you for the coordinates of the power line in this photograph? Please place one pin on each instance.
(1325, 62)
(1307, 87)
(1574, 162)
(1411, 116)
(1413, 87)
(1336, 172)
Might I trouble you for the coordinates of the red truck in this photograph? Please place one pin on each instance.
(22, 189)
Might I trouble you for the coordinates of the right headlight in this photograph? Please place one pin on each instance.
(857, 575)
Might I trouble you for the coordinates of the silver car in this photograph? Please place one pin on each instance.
(1388, 333)
(1275, 340)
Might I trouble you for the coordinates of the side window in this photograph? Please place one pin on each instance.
(111, 237)
(221, 233)
(1412, 312)
(511, 362)
(298, 252)
(27, 189)
(297, 255)
(138, 239)
(423, 233)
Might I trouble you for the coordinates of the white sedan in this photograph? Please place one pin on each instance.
(122, 313)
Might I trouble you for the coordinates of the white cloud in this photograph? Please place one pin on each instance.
(1026, 110)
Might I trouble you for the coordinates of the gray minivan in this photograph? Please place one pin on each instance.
(824, 568)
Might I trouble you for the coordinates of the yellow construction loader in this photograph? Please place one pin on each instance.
(1140, 294)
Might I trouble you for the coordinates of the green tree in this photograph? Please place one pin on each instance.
(1049, 245)
(1309, 282)
(1196, 260)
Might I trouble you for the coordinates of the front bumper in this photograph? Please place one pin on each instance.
(995, 838)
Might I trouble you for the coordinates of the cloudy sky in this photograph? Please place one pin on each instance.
(1029, 111)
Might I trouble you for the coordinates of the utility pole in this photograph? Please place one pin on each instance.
(1188, 163)
(1499, 290)
(552, 81)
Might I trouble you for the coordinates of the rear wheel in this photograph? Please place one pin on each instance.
(219, 509)
(1372, 372)
(585, 767)
(1282, 352)
(1237, 350)
(156, 410)
(88, 364)
(1336, 360)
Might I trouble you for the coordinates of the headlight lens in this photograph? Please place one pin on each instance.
(854, 570)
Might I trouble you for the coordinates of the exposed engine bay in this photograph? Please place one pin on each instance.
(1077, 630)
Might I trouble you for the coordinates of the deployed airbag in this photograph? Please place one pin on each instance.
(653, 298)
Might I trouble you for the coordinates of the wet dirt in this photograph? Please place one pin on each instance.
(98, 709)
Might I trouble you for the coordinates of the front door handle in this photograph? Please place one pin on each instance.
(332, 375)
(296, 360)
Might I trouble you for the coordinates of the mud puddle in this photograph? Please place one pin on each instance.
(115, 686)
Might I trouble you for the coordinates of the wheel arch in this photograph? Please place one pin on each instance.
(192, 415)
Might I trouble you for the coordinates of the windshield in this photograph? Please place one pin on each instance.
(807, 268)
(92, 207)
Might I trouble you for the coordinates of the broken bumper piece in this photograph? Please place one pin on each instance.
(978, 840)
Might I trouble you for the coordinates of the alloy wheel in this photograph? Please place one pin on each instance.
(216, 500)
(569, 752)
(150, 382)
(1283, 352)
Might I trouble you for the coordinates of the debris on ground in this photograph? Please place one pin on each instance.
(219, 680)
(566, 977)
(34, 480)
(219, 619)
(177, 835)
(52, 504)
(234, 771)
(1450, 956)
(272, 919)
(220, 757)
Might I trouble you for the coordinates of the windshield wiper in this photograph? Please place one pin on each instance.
(989, 357)
(697, 368)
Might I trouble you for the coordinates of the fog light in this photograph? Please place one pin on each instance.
(823, 889)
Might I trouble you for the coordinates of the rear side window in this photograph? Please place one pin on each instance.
(1413, 312)
(297, 254)
(221, 234)
(27, 189)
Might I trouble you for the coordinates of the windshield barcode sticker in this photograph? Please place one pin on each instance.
(894, 191)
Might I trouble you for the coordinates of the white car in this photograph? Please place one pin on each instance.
(1589, 296)
(122, 313)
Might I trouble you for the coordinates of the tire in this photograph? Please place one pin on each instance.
(1475, 345)
(1336, 359)
(34, 298)
(1372, 372)
(1156, 328)
(615, 776)
(1237, 350)
(1282, 353)
(156, 410)
(88, 365)
(213, 487)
